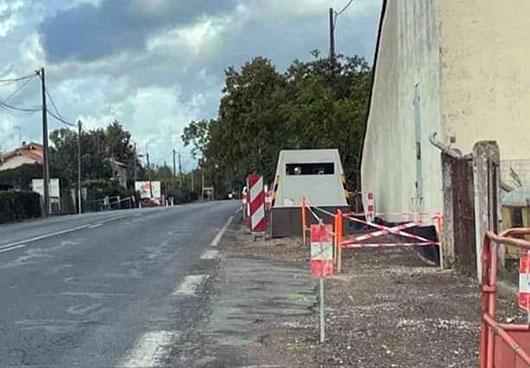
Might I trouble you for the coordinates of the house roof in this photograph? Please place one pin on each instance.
(31, 150)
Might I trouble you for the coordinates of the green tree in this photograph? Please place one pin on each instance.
(98, 147)
(317, 104)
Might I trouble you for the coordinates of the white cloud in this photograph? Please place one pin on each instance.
(31, 53)
(195, 38)
(155, 91)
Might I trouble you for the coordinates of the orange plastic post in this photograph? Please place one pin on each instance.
(335, 238)
(339, 241)
(304, 223)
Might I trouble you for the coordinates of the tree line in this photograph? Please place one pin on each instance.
(321, 103)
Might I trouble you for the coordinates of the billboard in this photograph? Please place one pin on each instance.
(38, 186)
(145, 190)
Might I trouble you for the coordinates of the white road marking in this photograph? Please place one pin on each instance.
(40, 237)
(150, 350)
(210, 254)
(190, 284)
(12, 248)
(217, 239)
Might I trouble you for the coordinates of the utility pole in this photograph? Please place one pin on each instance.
(202, 191)
(45, 167)
(149, 172)
(192, 185)
(180, 172)
(174, 163)
(79, 167)
(331, 34)
(135, 164)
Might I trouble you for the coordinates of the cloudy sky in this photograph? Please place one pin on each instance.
(154, 65)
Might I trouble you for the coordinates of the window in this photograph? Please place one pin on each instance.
(321, 168)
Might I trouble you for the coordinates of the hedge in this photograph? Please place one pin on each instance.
(15, 206)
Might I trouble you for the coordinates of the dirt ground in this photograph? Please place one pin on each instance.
(389, 308)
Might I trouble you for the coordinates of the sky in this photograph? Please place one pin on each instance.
(155, 65)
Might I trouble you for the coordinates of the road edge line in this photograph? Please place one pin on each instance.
(217, 239)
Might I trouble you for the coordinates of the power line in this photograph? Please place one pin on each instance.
(343, 9)
(13, 80)
(53, 104)
(58, 116)
(61, 120)
(9, 107)
(16, 91)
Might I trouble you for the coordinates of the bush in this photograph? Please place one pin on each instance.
(15, 206)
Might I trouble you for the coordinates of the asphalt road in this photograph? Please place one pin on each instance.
(112, 289)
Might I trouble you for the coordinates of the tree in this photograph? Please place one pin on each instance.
(98, 147)
(317, 104)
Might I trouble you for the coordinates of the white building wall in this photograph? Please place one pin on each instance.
(486, 75)
(408, 59)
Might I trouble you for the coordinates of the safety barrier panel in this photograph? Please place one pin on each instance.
(256, 203)
(341, 242)
(502, 345)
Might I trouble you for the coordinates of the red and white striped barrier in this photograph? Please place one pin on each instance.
(524, 282)
(370, 207)
(258, 222)
(321, 250)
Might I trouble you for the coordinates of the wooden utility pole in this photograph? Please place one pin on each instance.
(135, 164)
(174, 163)
(331, 34)
(45, 167)
(180, 172)
(79, 201)
(149, 172)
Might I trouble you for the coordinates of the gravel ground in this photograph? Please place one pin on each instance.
(389, 308)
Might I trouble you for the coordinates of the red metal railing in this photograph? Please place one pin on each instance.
(501, 345)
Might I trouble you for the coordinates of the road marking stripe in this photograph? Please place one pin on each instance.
(217, 239)
(40, 237)
(12, 248)
(210, 254)
(190, 284)
(150, 350)
(45, 236)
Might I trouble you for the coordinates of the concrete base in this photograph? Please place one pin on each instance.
(285, 222)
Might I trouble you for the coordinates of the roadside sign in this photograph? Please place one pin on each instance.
(144, 187)
(524, 282)
(321, 250)
(54, 188)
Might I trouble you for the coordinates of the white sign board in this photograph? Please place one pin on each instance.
(38, 187)
(145, 191)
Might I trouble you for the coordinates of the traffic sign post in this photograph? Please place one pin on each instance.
(322, 262)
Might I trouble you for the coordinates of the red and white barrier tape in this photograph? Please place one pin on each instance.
(396, 230)
(386, 245)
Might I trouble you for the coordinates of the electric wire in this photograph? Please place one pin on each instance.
(343, 9)
(57, 115)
